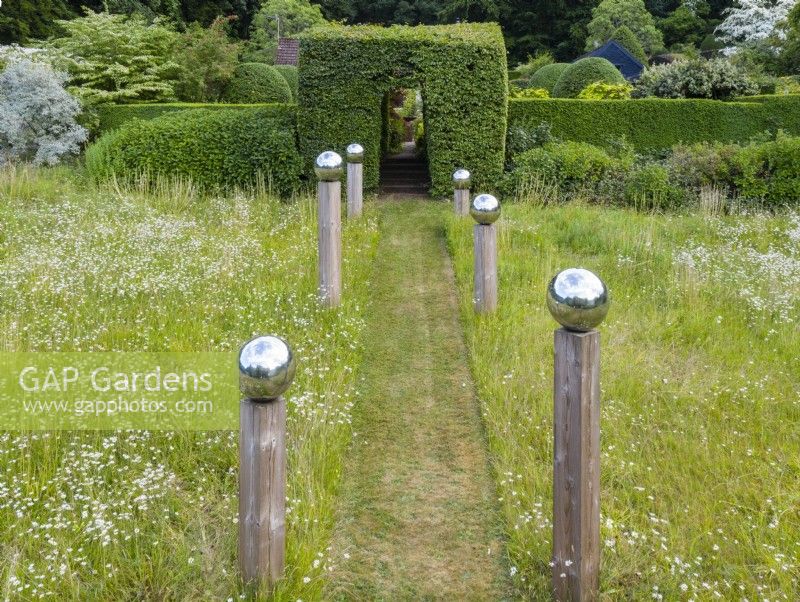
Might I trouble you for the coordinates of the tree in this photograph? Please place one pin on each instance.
(470, 10)
(611, 14)
(294, 17)
(37, 116)
(115, 58)
(686, 24)
(626, 38)
(205, 11)
(790, 50)
(24, 20)
(149, 9)
(207, 59)
(753, 23)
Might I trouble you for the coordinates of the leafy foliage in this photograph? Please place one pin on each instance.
(289, 73)
(24, 20)
(295, 16)
(515, 92)
(346, 72)
(111, 117)
(628, 40)
(207, 59)
(586, 71)
(547, 76)
(148, 9)
(697, 78)
(612, 14)
(37, 116)
(533, 64)
(257, 82)
(224, 148)
(653, 124)
(770, 171)
(603, 91)
(685, 25)
(114, 58)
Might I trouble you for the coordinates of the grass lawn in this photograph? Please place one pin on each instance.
(136, 514)
(700, 396)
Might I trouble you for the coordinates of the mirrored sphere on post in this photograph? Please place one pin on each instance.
(485, 209)
(328, 166)
(578, 299)
(462, 179)
(266, 367)
(355, 153)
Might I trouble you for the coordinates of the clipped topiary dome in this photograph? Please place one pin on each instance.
(257, 83)
(547, 76)
(289, 73)
(583, 72)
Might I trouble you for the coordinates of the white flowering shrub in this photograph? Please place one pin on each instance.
(698, 78)
(37, 115)
(750, 22)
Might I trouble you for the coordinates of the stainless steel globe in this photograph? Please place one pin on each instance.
(485, 209)
(578, 299)
(462, 179)
(266, 367)
(355, 153)
(328, 166)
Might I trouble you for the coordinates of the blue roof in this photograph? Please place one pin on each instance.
(619, 56)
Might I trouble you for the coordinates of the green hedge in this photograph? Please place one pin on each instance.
(546, 77)
(461, 69)
(257, 82)
(289, 73)
(113, 116)
(215, 149)
(657, 123)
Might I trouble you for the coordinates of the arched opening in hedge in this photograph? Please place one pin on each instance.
(346, 72)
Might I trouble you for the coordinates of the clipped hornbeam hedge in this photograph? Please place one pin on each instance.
(213, 148)
(462, 73)
(113, 116)
(657, 123)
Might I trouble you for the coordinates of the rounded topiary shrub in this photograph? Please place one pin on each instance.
(289, 73)
(586, 71)
(546, 77)
(256, 82)
(215, 149)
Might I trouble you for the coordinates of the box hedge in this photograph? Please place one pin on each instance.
(289, 73)
(345, 72)
(113, 116)
(656, 123)
(257, 82)
(215, 149)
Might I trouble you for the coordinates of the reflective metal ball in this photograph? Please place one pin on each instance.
(485, 209)
(355, 153)
(578, 299)
(462, 179)
(266, 367)
(328, 166)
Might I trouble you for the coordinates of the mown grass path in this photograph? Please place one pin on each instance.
(417, 520)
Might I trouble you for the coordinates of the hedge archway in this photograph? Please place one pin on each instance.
(461, 70)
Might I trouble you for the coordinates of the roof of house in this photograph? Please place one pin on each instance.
(618, 55)
(288, 50)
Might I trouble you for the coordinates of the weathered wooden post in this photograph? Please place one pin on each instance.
(328, 168)
(266, 369)
(355, 179)
(579, 301)
(462, 180)
(485, 209)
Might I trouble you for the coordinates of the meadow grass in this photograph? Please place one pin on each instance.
(700, 450)
(162, 267)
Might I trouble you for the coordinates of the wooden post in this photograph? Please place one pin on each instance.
(461, 201)
(266, 369)
(355, 180)
(462, 180)
(330, 243)
(262, 490)
(485, 294)
(576, 466)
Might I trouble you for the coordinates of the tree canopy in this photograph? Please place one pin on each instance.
(611, 14)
